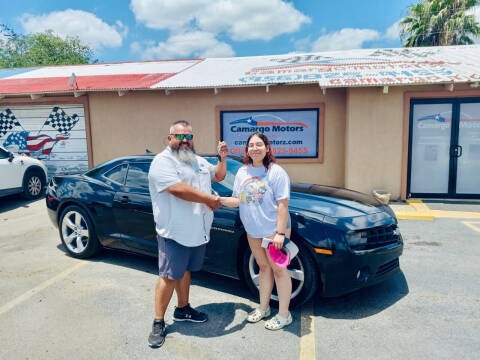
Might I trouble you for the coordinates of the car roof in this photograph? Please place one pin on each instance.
(142, 157)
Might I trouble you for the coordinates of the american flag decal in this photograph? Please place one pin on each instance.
(59, 120)
(32, 144)
(7, 121)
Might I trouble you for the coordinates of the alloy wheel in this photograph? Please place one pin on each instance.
(34, 186)
(295, 269)
(75, 232)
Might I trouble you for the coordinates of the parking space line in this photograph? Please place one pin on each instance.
(25, 296)
(471, 225)
(307, 340)
(418, 205)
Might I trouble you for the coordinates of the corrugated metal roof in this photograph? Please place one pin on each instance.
(353, 68)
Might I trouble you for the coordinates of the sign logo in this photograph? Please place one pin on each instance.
(255, 123)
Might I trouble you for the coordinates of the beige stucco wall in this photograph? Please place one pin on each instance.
(129, 124)
(376, 140)
(373, 149)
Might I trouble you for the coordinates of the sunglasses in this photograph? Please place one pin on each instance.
(183, 136)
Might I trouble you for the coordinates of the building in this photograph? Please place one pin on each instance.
(406, 121)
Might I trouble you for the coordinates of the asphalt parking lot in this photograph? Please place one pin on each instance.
(56, 307)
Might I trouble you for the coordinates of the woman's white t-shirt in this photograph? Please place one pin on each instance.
(258, 191)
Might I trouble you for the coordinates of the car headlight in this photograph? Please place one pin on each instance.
(357, 238)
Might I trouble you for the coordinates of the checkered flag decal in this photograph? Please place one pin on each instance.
(59, 120)
(7, 121)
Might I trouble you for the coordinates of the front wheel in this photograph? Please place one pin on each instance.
(302, 272)
(33, 185)
(78, 233)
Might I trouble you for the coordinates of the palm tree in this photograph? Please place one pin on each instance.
(440, 22)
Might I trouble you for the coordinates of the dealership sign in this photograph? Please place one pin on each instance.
(293, 133)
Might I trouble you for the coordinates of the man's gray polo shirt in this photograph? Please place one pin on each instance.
(188, 223)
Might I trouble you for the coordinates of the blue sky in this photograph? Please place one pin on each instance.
(126, 30)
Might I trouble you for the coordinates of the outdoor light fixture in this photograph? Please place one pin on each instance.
(385, 89)
(73, 80)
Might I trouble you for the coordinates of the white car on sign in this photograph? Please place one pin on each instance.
(21, 174)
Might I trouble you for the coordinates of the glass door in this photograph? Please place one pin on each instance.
(468, 153)
(430, 142)
(444, 148)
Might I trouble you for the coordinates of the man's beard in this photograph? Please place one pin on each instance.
(186, 155)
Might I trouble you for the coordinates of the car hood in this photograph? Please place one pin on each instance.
(332, 201)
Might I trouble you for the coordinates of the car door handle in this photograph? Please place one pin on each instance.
(124, 199)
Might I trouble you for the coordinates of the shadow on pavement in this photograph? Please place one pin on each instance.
(220, 317)
(365, 302)
(12, 202)
(150, 265)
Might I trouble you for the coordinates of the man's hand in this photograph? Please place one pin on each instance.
(213, 202)
(222, 150)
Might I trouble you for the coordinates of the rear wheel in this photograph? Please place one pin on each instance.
(302, 271)
(77, 233)
(33, 185)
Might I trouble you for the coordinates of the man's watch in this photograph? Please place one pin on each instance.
(280, 233)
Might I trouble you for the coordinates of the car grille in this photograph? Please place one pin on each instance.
(385, 268)
(378, 237)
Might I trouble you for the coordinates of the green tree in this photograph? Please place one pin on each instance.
(438, 23)
(39, 49)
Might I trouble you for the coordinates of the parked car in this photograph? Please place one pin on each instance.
(21, 174)
(347, 240)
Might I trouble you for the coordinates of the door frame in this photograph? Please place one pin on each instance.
(456, 101)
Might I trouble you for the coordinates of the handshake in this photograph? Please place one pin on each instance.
(215, 202)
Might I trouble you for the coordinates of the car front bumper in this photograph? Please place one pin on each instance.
(346, 271)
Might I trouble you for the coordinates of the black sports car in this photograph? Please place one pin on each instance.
(347, 239)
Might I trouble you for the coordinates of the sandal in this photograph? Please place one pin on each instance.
(258, 314)
(278, 322)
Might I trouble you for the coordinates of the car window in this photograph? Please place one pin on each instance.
(117, 174)
(137, 175)
(225, 187)
(3, 154)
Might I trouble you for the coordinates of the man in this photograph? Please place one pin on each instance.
(180, 188)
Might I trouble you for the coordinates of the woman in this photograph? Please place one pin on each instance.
(262, 190)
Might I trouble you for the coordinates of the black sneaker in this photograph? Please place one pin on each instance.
(157, 336)
(188, 313)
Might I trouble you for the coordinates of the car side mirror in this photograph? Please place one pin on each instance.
(10, 156)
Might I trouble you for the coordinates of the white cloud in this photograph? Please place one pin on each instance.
(196, 43)
(475, 11)
(241, 20)
(345, 39)
(393, 32)
(88, 27)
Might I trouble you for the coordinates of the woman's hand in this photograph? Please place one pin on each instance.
(229, 201)
(278, 241)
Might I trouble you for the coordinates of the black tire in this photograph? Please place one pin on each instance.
(78, 233)
(302, 291)
(33, 185)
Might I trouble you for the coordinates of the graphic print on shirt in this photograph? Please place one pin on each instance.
(252, 190)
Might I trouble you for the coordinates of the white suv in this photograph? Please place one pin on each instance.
(21, 174)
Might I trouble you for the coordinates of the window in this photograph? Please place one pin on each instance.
(137, 176)
(117, 174)
(3, 154)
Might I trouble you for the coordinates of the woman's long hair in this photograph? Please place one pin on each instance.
(269, 157)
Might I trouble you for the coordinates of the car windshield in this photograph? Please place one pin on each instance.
(225, 187)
